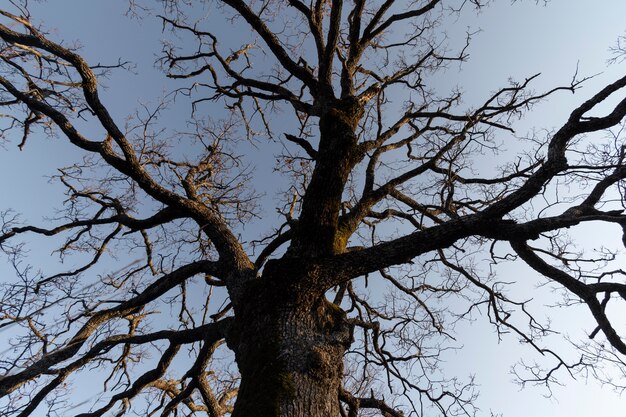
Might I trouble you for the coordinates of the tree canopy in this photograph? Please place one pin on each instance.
(389, 221)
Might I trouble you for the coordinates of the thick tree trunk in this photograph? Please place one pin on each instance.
(290, 354)
(288, 340)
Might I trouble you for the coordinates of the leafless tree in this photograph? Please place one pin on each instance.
(384, 222)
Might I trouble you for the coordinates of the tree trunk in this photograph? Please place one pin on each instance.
(289, 352)
(337, 155)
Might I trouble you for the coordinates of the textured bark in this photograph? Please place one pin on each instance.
(289, 344)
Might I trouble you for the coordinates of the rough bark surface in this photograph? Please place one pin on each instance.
(289, 343)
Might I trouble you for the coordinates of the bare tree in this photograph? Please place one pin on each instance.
(379, 185)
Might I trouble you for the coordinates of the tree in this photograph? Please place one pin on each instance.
(380, 185)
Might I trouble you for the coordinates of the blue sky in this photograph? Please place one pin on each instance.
(517, 40)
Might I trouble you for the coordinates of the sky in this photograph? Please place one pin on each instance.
(516, 40)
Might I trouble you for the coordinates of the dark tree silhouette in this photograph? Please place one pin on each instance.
(383, 219)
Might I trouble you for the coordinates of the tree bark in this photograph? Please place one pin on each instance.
(337, 155)
(289, 346)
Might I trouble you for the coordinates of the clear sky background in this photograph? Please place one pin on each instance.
(517, 40)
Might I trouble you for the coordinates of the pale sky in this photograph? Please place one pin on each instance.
(517, 41)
